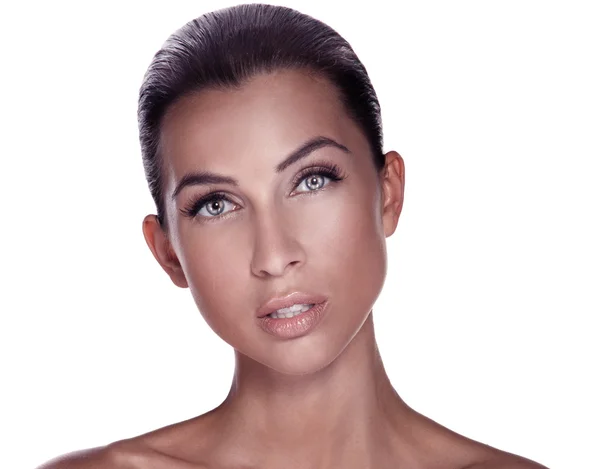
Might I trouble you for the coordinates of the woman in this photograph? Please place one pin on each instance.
(262, 144)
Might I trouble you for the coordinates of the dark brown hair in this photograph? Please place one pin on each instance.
(227, 47)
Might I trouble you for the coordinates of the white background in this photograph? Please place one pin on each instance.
(487, 323)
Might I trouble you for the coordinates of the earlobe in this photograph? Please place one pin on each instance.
(392, 183)
(162, 250)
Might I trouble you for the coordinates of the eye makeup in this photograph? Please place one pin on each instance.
(326, 169)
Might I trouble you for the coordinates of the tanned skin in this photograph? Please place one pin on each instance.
(273, 238)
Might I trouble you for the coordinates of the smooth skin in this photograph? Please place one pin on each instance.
(319, 401)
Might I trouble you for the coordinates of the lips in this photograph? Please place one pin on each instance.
(288, 300)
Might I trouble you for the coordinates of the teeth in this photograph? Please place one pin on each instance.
(290, 312)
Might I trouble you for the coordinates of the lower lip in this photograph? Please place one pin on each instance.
(297, 326)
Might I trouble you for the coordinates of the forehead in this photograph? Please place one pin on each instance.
(262, 121)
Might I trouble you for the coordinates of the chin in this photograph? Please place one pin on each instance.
(304, 355)
(298, 366)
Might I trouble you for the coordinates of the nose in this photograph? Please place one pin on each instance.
(275, 247)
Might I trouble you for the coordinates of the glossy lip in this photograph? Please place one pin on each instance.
(286, 301)
(297, 326)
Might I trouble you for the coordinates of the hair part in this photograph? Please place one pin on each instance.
(225, 48)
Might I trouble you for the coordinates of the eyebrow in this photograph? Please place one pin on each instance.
(206, 177)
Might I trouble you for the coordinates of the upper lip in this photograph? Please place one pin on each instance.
(288, 300)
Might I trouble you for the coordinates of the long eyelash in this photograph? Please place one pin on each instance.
(329, 170)
(194, 206)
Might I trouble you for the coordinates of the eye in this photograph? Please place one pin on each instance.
(213, 206)
(313, 182)
(210, 206)
(314, 179)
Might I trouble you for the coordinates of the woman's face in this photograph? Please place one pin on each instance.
(275, 232)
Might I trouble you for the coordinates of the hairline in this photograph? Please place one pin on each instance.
(308, 70)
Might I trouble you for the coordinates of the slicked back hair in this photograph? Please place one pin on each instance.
(225, 48)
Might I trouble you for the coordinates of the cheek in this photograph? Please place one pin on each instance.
(347, 249)
(216, 268)
(341, 240)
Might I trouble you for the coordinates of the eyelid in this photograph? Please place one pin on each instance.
(332, 171)
(195, 204)
(325, 169)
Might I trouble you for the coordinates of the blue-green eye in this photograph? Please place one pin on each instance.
(213, 205)
(313, 182)
(314, 177)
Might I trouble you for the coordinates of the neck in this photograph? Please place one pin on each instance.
(345, 415)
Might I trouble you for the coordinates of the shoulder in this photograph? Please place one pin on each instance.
(506, 461)
(77, 460)
(164, 448)
(456, 451)
(125, 454)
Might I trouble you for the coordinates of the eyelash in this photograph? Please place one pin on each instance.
(329, 170)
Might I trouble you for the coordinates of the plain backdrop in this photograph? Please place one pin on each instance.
(488, 319)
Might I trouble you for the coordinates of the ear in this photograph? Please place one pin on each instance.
(163, 252)
(392, 184)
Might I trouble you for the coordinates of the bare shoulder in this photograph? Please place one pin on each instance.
(124, 454)
(176, 446)
(93, 457)
(506, 461)
(118, 455)
(453, 450)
